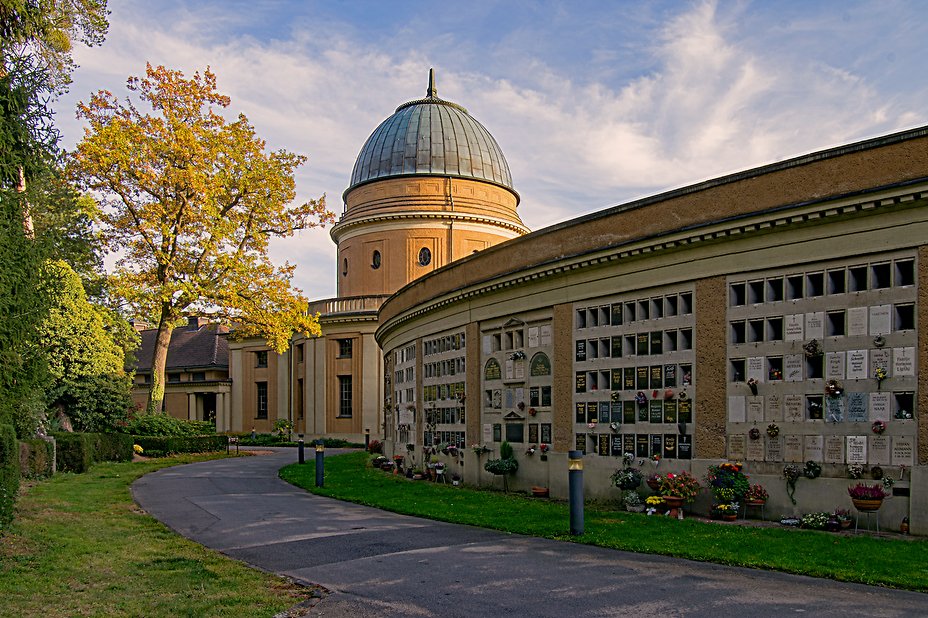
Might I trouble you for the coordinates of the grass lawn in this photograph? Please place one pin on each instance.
(897, 563)
(79, 546)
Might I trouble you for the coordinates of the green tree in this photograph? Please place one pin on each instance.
(86, 364)
(190, 200)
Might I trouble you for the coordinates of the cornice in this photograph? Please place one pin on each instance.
(339, 230)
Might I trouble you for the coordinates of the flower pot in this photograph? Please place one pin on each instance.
(673, 502)
(654, 484)
(540, 492)
(417, 477)
(845, 523)
(729, 516)
(867, 505)
(755, 502)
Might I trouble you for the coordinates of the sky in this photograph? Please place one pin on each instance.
(593, 103)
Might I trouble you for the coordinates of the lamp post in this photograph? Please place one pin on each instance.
(320, 462)
(575, 491)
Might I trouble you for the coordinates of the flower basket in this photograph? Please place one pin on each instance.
(867, 506)
(654, 482)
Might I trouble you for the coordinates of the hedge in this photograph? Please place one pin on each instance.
(9, 473)
(74, 451)
(167, 445)
(111, 447)
(36, 458)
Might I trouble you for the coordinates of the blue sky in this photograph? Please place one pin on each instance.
(594, 103)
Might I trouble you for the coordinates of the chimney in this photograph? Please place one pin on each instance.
(195, 322)
(139, 325)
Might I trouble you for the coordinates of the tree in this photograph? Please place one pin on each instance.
(190, 200)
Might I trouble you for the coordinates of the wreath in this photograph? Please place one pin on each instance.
(878, 427)
(754, 434)
(773, 430)
(811, 470)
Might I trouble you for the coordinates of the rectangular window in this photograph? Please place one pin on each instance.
(262, 400)
(344, 348)
(299, 398)
(173, 377)
(198, 376)
(299, 353)
(344, 396)
(261, 358)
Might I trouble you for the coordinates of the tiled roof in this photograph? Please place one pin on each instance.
(190, 347)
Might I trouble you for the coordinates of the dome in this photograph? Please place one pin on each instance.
(431, 136)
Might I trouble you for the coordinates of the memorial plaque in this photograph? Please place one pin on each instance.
(903, 361)
(792, 327)
(685, 410)
(755, 409)
(670, 375)
(736, 409)
(628, 412)
(580, 382)
(880, 321)
(616, 379)
(487, 344)
(657, 342)
(497, 399)
(641, 377)
(815, 325)
(656, 409)
(834, 449)
(581, 351)
(546, 433)
(533, 433)
(856, 449)
(857, 364)
(616, 314)
(628, 378)
(641, 445)
(603, 411)
(792, 368)
(856, 321)
(657, 376)
(487, 433)
(533, 336)
(685, 447)
(878, 452)
(510, 365)
(497, 432)
(628, 443)
(492, 370)
(615, 412)
(541, 365)
(616, 346)
(546, 335)
(670, 446)
(880, 359)
(737, 446)
(534, 396)
(508, 398)
(641, 345)
(903, 451)
(756, 368)
(773, 409)
(670, 411)
(774, 449)
(545, 396)
(792, 448)
(580, 442)
(834, 365)
(834, 412)
(520, 370)
(657, 444)
(755, 450)
(603, 442)
(406, 417)
(792, 408)
(879, 407)
(580, 412)
(857, 407)
(814, 448)
(615, 445)
(592, 412)
(643, 413)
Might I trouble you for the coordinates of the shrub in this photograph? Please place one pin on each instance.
(165, 425)
(9, 473)
(96, 403)
(36, 458)
(111, 447)
(169, 445)
(375, 446)
(74, 452)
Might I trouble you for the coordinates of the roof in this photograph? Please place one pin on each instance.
(201, 347)
(431, 136)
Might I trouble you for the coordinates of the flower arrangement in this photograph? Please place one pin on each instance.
(880, 375)
(727, 482)
(656, 459)
(862, 491)
(878, 427)
(479, 449)
(813, 349)
(776, 374)
(654, 481)
(833, 388)
(614, 427)
(530, 450)
(591, 425)
(754, 434)
(855, 471)
(641, 399)
(791, 473)
(726, 508)
(815, 521)
(752, 384)
(626, 478)
(773, 430)
(632, 499)
(756, 493)
(653, 503)
(544, 448)
(811, 470)
(532, 411)
(842, 515)
(683, 485)
(137, 449)
(876, 472)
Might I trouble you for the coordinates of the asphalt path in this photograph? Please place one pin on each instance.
(374, 563)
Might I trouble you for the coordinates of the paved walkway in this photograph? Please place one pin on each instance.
(382, 564)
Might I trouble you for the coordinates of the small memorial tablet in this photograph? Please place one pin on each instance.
(628, 443)
(642, 445)
(628, 378)
(546, 335)
(880, 322)
(603, 442)
(815, 325)
(628, 412)
(580, 442)
(879, 407)
(756, 368)
(755, 409)
(903, 361)
(533, 336)
(615, 445)
(736, 409)
(670, 411)
(856, 449)
(774, 449)
(641, 377)
(755, 450)
(792, 368)
(903, 451)
(657, 444)
(857, 407)
(580, 351)
(834, 449)
(792, 408)
(792, 448)
(834, 365)
(670, 446)
(685, 410)
(880, 359)
(487, 433)
(737, 446)
(670, 375)
(834, 409)
(685, 447)
(792, 326)
(878, 452)
(533, 433)
(857, 364)
(656, 408)
(580, 412)
(814, 448)
(773, 409)
(657, 376)
(546, 433)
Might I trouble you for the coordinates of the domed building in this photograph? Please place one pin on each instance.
(430, 186)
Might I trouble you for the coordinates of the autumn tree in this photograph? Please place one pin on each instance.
(189, 201)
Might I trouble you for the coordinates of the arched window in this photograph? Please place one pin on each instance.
(425, 256)
(345, 267)
(375, 260)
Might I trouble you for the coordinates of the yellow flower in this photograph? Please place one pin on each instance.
(138, 449)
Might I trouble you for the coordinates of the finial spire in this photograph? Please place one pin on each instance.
(432, 91)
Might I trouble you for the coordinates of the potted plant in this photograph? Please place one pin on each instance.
(455, 479)
(632, 501)
(727, 482)
(728, 511)
(654, 481)
(678, 489)
(539, 492)
(843, 516)
(867, 497)
(417, 474)
(627, 478)
(814, 521)
(756, 495)
(504, 466)
(652, 503)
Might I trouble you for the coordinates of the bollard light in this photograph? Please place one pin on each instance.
(320, 463)
(367, 439)
(575, 491)
(300, 447)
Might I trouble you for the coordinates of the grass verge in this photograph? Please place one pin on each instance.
(896, 563)
(79, 546)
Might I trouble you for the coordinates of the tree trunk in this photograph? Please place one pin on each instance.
(158, 364)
